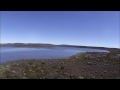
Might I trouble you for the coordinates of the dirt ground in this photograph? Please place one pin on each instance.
(79, 66)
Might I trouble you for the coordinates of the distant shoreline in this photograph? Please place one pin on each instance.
(34, 45)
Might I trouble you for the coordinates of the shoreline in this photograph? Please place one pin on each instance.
(52, 45)
(88, 65)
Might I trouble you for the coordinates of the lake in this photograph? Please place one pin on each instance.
(17, 53)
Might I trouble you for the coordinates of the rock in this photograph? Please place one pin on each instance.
(13, 71)
(104, 71)
(24, 77)
(93, 77)
(89, 63)
(7, 66)
(42, 71)
(33, 65)
(62, 62)
(24, 74)
(80, 77)
(118, 78)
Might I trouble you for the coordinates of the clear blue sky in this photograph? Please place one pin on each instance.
(89, 28)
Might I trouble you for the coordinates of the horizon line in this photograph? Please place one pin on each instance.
(62, 44)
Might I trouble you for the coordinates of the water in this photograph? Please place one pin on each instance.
(17, 53)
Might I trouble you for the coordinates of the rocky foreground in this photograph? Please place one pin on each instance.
(80, 66)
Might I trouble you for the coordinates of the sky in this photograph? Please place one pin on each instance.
(86, 28)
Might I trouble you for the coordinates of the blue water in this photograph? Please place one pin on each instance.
(16, 53)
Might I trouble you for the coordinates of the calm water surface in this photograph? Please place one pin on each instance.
(16, 53)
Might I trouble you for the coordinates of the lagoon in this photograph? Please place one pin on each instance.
(17, 53)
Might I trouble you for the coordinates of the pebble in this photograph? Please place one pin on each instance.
(118, 78)
(42, 71)
(62, 62)
(13, 71)
(80, 77)
(104, 71)
(24, 73)
(89, 63)
(8, 66)
(93, 77)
